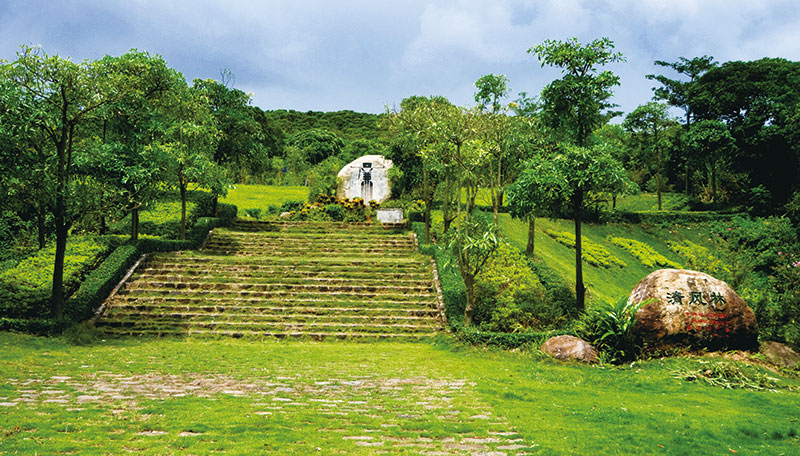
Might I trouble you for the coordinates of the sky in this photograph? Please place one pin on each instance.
(368, 55)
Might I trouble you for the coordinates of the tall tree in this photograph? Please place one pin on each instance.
(59, 98)
(126, 157)
(649, 125)
(190, 142)
(677, 93)
(759, 102)
(563, 184)
(574, 104)
(711, 143)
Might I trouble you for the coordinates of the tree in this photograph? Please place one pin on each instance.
(563, 184)
(126, 157)
(245, 144)
(491, 88)
(317, 144)
(474, 242)
(573, 105)
(410, 149)
(677, 93)
(190, 142)
(759, 102)
(711, 142)
(649, 125)
(58, 99)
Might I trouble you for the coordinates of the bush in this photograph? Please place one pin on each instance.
(99, 283)
(609, 327)
(25, 289)
(509, 297)
(291, 206)
(254, 212)
(592, 253)
(644, 253)
(699, 258)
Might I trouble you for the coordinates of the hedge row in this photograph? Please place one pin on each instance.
(101, 281)
(662, 217)
(454, 295)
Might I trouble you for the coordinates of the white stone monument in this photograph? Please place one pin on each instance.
(367, 178)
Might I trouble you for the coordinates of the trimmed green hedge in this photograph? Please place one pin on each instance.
(98, 284)
(662, 217)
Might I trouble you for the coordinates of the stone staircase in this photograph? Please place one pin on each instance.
(283, 279)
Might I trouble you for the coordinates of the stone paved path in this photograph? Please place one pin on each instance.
(442, 416)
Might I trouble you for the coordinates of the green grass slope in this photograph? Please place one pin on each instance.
(607, 284)
(262, 196)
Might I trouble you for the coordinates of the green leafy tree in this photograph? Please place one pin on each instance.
(247, 140)
(190, 142)
(490, 90)
(563, 184)
(649, 126)
(317, 144)
(473, 244)
(677, 93)
(759, 101)
(712, 144)
(59, 98)
(573, 105)
(126, 158)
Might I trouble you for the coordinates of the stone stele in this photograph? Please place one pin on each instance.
(693, 309)
(570, 348)
(366, 178)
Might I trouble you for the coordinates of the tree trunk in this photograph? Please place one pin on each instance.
(531, 236)
(214, 206)
(469, 310)
(135, 224)
(428, 201)
(183, 209)
(57, 297)
(580, 290)
(613, 201)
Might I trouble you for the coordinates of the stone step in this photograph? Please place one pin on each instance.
(379, 268)
(279, 286)
(275, 295)
(328, 252)
(365, 236)
(236, 317)
(133, 306)
(372, 262)
(180, 276)
(253, 225)
(268, 327)
(266, 271)
(161, 332)
(288, 302)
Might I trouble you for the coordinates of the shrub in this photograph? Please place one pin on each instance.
(643, 252)
(509, 296)
(699, 258)
(254, 212)
(291, 206)
(592, 253)
(609, 327)
(335, 212)
(25, 289)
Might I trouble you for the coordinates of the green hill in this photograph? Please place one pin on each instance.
(613, 282)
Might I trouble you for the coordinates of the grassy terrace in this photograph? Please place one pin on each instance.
(229, 396)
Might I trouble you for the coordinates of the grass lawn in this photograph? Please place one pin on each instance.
(172, 396)
(261, 196)
(646, 202)
(609, 284)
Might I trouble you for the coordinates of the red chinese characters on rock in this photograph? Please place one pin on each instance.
(707, 321)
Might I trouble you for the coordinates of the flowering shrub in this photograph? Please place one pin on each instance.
(643, 252)
(592, 253)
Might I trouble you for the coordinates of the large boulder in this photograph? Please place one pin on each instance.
(570, 348)
(367, 178)
(690, 308)
(779, 354)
